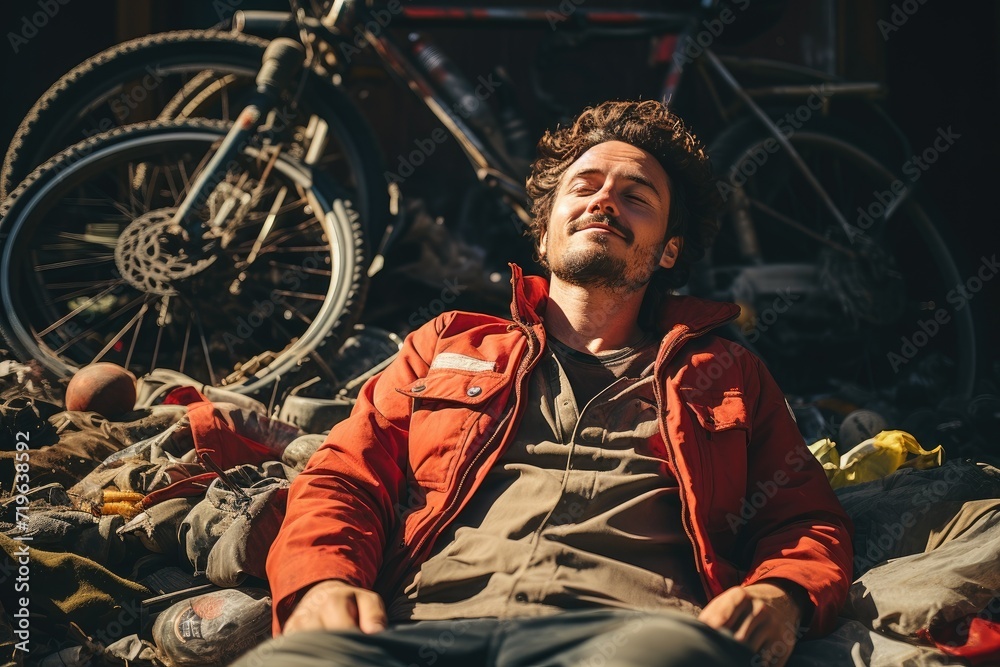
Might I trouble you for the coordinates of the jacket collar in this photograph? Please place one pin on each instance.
(678, 314)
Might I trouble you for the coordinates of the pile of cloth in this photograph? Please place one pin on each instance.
(136, 541)
(144, 538)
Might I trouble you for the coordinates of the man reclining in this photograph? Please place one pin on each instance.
(597, 477)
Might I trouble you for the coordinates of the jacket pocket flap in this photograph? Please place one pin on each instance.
(455, 386)
(717, 410)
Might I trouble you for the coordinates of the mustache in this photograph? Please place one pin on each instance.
(604, 219)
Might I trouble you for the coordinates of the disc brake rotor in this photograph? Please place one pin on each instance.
(150, 255)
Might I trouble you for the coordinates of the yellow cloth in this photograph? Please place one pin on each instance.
(874, 458)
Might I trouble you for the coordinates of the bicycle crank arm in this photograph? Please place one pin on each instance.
(282, 59)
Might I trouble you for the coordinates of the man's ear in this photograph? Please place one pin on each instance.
(541, 243)
(671, 252)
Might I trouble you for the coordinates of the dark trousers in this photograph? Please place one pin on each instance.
(592, 638)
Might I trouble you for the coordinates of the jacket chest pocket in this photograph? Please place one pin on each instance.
(451, 410)
(723, 435)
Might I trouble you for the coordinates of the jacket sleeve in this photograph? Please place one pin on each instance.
(801, 533)
(342, 507)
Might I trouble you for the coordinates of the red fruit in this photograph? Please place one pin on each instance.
(105, 388)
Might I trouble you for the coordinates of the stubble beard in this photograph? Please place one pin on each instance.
(596, 268)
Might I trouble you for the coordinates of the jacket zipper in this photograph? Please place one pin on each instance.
(521, 371)
(686, 517)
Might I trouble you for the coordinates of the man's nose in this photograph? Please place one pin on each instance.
(603, 202)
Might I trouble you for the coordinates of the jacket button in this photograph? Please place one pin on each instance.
(419, 387)
(521, 597)
(474, 391)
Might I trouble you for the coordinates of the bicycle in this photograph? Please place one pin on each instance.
(853, 285)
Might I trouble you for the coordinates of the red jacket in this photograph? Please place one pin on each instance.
(424, 432)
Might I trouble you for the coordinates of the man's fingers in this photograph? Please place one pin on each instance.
(334, 605)
(371, 613)
(340, 613)
(757, 632)
(729, 610)
(301, 623)
(750, 625)
(760, 616)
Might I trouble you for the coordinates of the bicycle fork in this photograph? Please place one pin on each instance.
(282, 60)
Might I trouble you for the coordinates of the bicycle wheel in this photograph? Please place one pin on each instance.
(872, 308)
(92, 270)
(187, 74)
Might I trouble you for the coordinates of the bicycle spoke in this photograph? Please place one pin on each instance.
(156, 346)
(287, 234)
(118, 336)
(78, 284)
(174, 194)
(794, 224)
(294, 267)
(85, 201)
(204, 348)
(75, 262)
(81, 292)
(73, 313)
(148, 185)
(76, 339)
(300, 295)
(184, 348)
(308, 248)
(295, 311)
(135, 335)
(268, 225)
(87, 238)
(131, 185)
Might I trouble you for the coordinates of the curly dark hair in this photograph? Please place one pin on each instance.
(651, 126)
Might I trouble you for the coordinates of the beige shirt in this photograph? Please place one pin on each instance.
(580, 511)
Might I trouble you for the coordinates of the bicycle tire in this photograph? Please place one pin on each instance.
(98, 74)
(50, 124)
(927, 285)
(30, 219)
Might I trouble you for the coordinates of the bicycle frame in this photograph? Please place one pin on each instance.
(490, 168)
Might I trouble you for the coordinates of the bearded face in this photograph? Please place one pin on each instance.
(607, 228)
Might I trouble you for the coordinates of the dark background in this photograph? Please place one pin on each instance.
(940, 69)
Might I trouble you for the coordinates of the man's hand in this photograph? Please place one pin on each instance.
(763, 616)
(335, 605)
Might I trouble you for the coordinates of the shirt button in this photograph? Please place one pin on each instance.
(521, 597)
(419, 387)
(474, 391)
